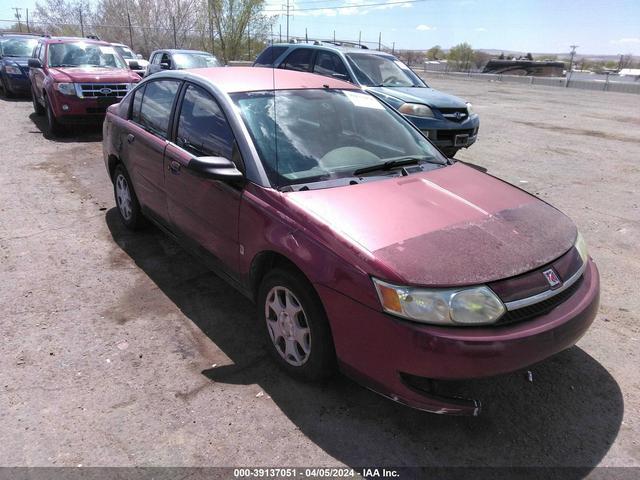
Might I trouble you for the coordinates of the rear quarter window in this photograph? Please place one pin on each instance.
(300, 60)
(269, 56)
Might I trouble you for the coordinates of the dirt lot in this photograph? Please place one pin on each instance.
(120, 349)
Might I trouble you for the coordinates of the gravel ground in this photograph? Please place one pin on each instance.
(119, 349)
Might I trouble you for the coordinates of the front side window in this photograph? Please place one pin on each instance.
(82, 54)
(17, 47)
(195, 60)
(203, 129)
(157, 102)
(300, 60)
(382, 71)
(330, 65)
(305, 136)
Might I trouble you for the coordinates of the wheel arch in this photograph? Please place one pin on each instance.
(265, 261)
(112, 162)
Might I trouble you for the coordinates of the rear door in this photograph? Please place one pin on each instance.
(300, 60)
(146, 141)
(203, 210)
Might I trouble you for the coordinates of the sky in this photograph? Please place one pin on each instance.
(539, 26)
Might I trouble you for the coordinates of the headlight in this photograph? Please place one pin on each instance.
(416, 110)
(451, 306)
(581, 246)
(65, 88)
(470, 109)
(11, 70)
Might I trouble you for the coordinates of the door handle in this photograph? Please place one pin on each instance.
(174, 167)
(130, 138)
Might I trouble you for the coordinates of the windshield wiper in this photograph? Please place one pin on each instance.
(394, 163)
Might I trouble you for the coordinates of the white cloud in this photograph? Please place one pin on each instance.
(626, 40)
(481, 29)
(424, 28)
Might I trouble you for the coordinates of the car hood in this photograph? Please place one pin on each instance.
(91, 75)
(425, 95)
(448, 227)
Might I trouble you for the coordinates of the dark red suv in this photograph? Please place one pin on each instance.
(364, 248)
(74, 80)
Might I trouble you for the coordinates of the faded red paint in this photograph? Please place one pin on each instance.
(253, 79)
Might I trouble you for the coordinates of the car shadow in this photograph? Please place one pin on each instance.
(567, 414)
(15, 98)
(72, 134)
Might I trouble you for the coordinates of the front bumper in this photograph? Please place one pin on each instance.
(379, 350)
(73, 110)
(449, 134)
(18, 84)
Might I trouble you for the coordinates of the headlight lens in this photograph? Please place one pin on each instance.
(581, 246)
(65, 88)
(416, 110)
(462, 306)
(470, 109)
(11, 70)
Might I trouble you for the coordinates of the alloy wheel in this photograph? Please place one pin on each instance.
(123, 197)
(288, 326)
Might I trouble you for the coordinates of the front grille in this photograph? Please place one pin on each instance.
(450, 134)
(454, 114)
(540, 308)
(100, 90)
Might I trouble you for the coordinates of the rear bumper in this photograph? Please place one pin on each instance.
(376, 349)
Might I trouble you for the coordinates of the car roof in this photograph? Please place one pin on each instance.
(255, 79)
(331, 46)
(76, 39)
(180, 50)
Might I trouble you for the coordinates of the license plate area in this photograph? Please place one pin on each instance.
(106, 101)
(460, 140)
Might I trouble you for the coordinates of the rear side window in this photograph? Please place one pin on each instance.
(137, 102)
(157, 102)
(300, 60)
(330, 65)
(203, 129)
(269, 55)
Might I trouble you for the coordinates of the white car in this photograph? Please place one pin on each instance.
(135, 61)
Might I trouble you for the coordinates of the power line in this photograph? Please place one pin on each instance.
(342, 7)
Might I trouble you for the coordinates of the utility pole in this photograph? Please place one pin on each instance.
(573, 53)
(288, 21)
(175, 36)
(360, 38)
(306, 37)
(130, 29)
(28, 27)
(81, 22)
(211, 36)
(379, 40)
(393, 48)
(280, 34)
(18, 17)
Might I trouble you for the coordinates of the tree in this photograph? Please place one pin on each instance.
(232, 19)
(435, 53)
(501, 57)
(529, 56)
(65, 17)
(461, 56)
(480, 58)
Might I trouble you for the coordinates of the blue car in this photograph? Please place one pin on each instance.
(446, 120)
(15, 50)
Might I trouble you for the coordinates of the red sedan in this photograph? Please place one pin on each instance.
(365, 249)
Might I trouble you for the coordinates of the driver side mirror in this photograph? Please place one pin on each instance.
(165, 66)
(35, 63)
(216, 168)
(133, 65)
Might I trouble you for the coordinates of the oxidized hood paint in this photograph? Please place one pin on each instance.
(451, 226)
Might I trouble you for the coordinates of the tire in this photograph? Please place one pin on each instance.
(55, 128)
(127, 203)
(300, 343)
(37, 106)
(450, 152)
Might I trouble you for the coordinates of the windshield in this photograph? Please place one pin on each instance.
(81, 54)
(17, 47)
(195, 60)
(304, 136)
(382, 71)
(126, 52)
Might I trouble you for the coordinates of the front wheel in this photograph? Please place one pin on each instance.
(296, 326)
(37, 107)
(55, 127)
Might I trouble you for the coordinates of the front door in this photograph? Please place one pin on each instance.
(204, 210)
